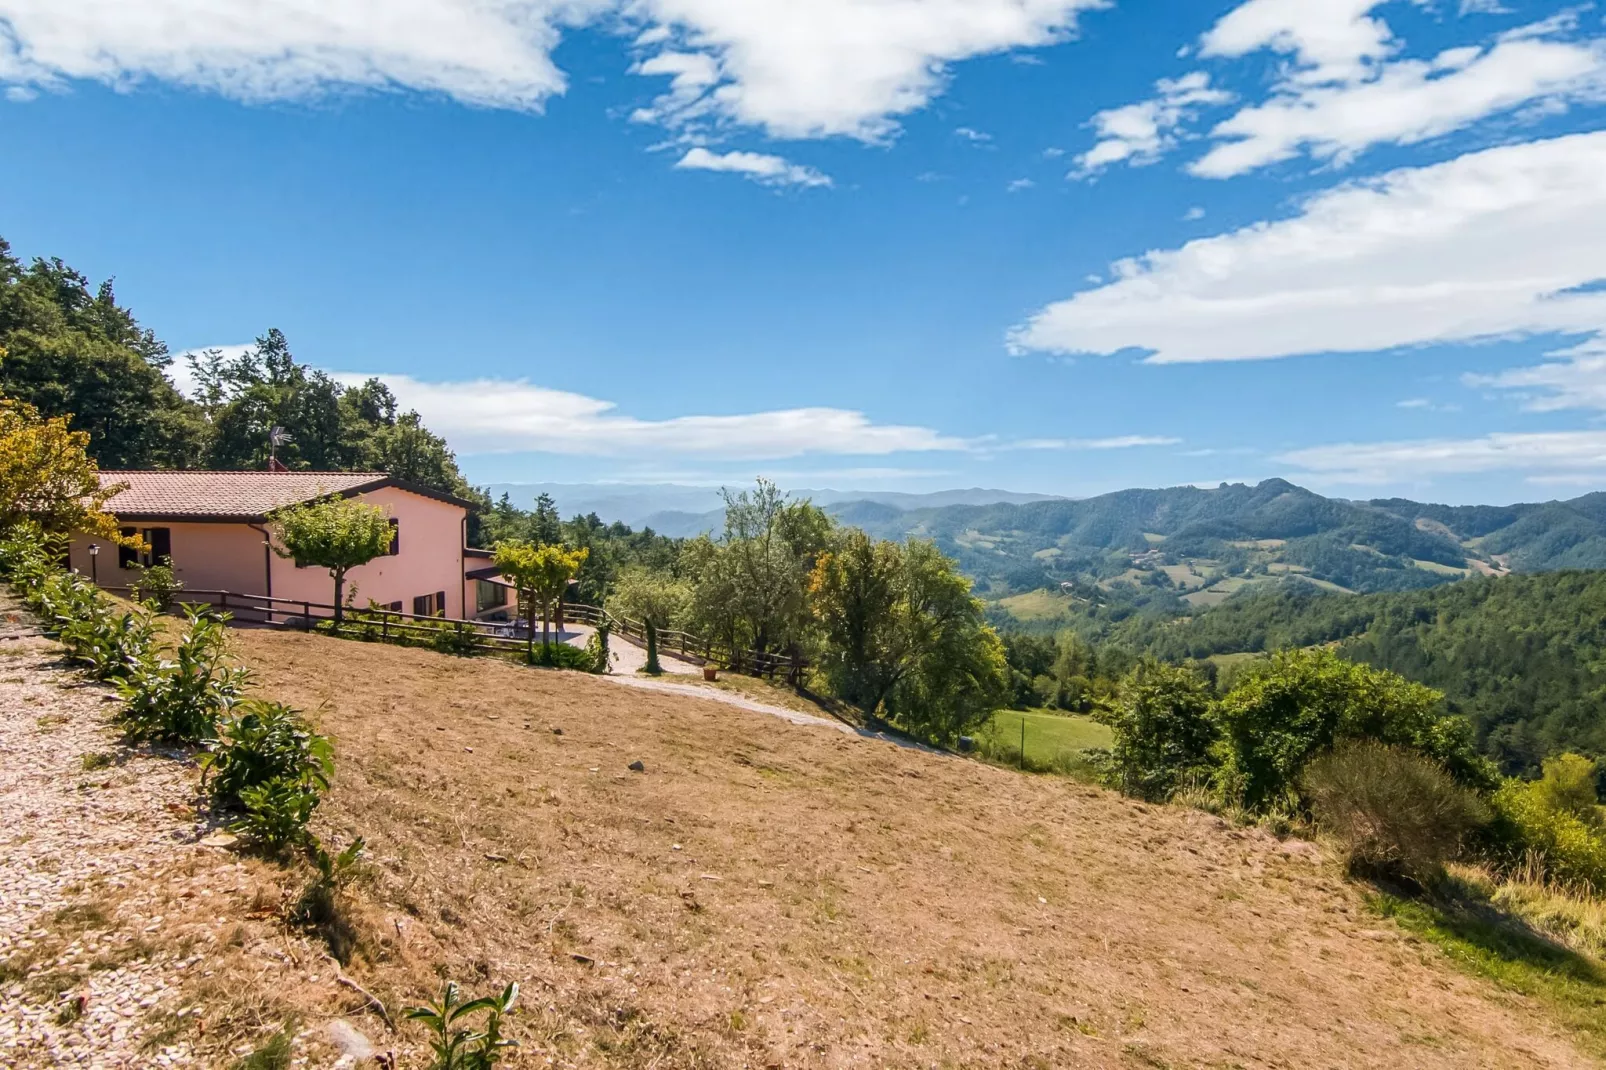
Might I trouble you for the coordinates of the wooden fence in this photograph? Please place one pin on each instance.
(390, 625)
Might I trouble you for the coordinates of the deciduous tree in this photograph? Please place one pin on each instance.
(47, 476)
(335, 533)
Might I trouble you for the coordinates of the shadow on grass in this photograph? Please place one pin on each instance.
(1493, 944)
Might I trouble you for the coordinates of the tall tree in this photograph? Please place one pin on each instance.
(540, 574)
(904, 638)
(72, 351)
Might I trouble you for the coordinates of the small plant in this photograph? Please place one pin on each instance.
(276, 814)
(453, 1043)
(181, 701)
(457, 638)
(1396, 812)
(319, 906)
(158, 584)
(264, 741)
(109, 644)
(597, 648)
(1536, 827)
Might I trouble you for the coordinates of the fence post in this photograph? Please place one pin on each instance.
(223, 604)
(306, 616)
(384, 626)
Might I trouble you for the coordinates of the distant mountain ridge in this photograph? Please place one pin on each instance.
(1208, 543)
(678, 510)
(1203, 544)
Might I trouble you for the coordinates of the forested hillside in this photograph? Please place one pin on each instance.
(1523, 657)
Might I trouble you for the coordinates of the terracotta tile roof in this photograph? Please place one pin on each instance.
(227, 495)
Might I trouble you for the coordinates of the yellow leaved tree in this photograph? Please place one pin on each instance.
(47, 476)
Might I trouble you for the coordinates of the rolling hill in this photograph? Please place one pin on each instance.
(1201, 545)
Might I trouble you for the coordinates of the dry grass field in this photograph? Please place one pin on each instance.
(765, 895)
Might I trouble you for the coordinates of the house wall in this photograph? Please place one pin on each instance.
(207, 557)
(230, 557)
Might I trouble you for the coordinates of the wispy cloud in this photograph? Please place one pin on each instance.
(768, 170)
(1547, 456)
(1116, 442)
(1498, 243)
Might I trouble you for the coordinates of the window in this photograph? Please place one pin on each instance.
(159, 547)
(395, 538)
(394, 607)
(430, 605)
(488, 595)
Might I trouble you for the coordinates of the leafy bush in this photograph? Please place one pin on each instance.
(456, 638)
(562, 656)
(108, 643)
(597, 649)
(264, 741)
(1163, 730)
(1396, 812)
(1531, 829)
(159, 584)
(1568, 783)
(453, 1044)
(1302, 702)
(181, 700)
(276, 813)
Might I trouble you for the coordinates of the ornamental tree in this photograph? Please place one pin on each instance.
(336, 533)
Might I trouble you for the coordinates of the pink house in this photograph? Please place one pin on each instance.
(214, 527)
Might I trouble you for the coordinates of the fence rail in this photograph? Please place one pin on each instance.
(392, 625)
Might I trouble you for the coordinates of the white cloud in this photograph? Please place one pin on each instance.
(1552, 456)
(1020, 184)
(1139, 133)
(1344, 87)
(502, 416)
(770, 170)
(837, 67)
(1405, 101)
(812, 69)
(1117, 442)
(1577, 381)
(1193, 214)
(1502, 242)
(1330, 40)
(972, 135)
(493, 52)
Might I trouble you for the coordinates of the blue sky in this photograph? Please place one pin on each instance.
(1051, 245)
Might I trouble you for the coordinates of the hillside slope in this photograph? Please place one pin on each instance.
(771, 895)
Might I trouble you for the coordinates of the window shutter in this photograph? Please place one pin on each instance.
(161, 540)
(126, 555)
(440, 603)
(395, 537)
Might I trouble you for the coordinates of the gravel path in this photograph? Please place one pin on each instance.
(90, 834)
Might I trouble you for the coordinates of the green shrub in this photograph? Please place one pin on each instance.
(1163, 730)
(276, 813)
(457, 638)
(597, 648)
(562, 656)
(181, 700)
(453, 1044)
(1287, 710)
(1530, 829)
(110, 644)
(1396, 812)
(1568, 784)
(158, 584)
(264, 741)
